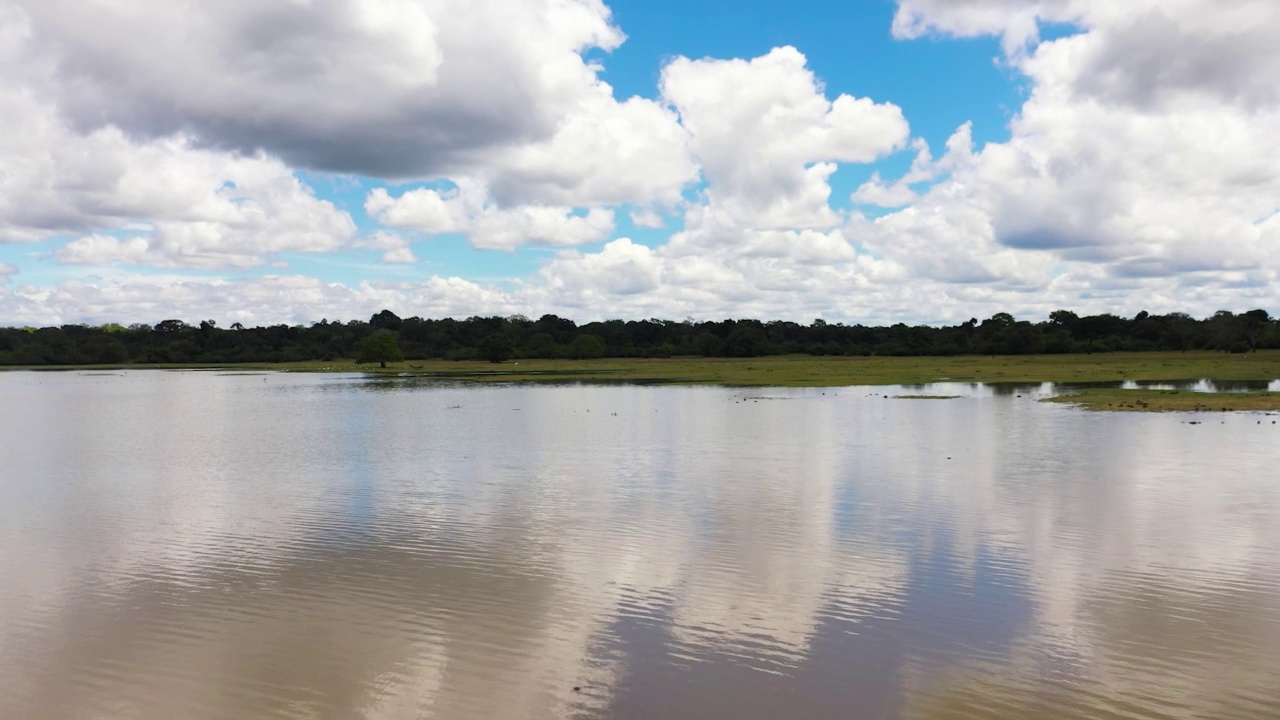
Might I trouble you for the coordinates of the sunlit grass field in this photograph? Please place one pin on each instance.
(809, 371)
(804, 370)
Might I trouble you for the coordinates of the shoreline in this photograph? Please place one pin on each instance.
(841, 371)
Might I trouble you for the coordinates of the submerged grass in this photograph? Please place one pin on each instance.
(1169, 400)
(804, 370)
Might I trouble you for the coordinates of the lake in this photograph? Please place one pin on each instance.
(223, 545)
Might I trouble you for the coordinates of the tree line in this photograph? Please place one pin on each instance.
(500, 338)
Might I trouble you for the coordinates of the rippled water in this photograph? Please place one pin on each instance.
(200, 545)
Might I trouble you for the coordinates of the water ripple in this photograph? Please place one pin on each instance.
(188, 545)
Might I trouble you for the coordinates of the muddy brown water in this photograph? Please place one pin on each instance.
(207, 545)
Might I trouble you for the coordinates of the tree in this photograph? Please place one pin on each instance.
(1063, 318)
(385, 320)
(746, 341)
(586, 346)
(380, 347)
(171, 326)
(541, 345)
(1255, 324)
(496, 347)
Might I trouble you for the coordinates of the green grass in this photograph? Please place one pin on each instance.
(807, 371)
(1169, 400)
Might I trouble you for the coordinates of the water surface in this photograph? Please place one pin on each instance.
(216, 545)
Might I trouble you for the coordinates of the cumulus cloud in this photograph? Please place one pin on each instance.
(105, 250)
(647, 218)
(185, 206)
(1111, 194)
(768, 138)
(6, 270)
(467, 209)
(924, 169)
(1142, 152)
(423, 89)
(508, 229)
(761, 237)
(1160, 53)
(431, 211)
(195, 208)
(605, 152)
(271, 299)
(1016, 21)
(1141, 173)
(620, 268)
(395, 248)
(198, 208)
(405, 98)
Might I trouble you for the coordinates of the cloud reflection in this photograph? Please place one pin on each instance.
(206, 545)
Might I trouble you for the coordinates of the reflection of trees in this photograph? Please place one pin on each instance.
(1008, 389)
(1239, 385)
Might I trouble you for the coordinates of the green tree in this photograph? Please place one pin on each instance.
(541, 345)
(380, 347)
(746, 341)
(587, 346)
(1254, 325)
(1063, 318)
(386, 320)
(496, 348)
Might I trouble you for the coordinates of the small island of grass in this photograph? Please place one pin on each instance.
(1116, 399)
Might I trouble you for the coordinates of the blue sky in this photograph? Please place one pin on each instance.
(939, 83)
(875, 161)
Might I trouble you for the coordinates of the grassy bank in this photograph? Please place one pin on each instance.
(1170, 400)
(801, 371)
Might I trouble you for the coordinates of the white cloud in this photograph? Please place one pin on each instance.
(509, 229)
(761, 237)
(647, 218)
(605, 152)
(1131, 159)
(105, 250)
(587, 287)
(272, 299)
(6, 271)
(199, 208)
(767, 138)
(1016, 21)
(191, 207)
(923, 169)
(620, 268)
(431, 211)
(403, 100)
(467, 209)
(876, 192)
(427, 89)
(1142, 171)
(395, 248)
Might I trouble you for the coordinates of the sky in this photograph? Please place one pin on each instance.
(873, 161)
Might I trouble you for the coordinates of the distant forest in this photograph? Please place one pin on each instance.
(500, 338)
